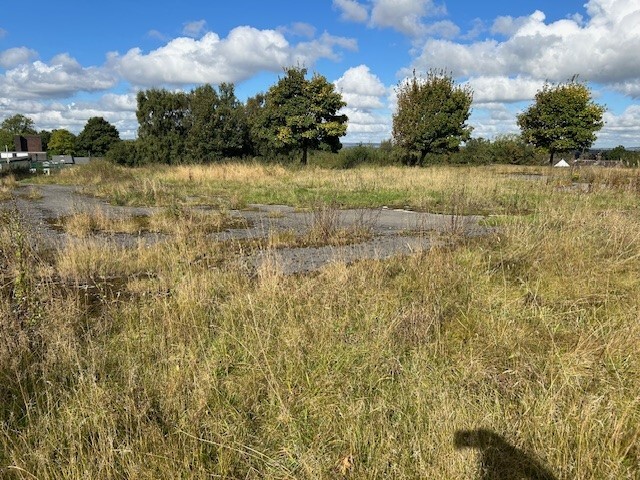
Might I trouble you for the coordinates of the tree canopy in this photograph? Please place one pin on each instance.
(18, 125)
(431, 114)
(301, 114)
(62, 142)
(563, 118)
(163, 119)
(96, 137)
(217, 125)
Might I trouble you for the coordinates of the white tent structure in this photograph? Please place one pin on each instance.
(561, 163)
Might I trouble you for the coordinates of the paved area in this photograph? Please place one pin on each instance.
(393, 232)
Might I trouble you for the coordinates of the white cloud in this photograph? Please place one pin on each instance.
(477, 27)
(300, 29)
(194, 29)
(211, 59)
(630, 87)
(156, 35)
(604, 49)
(365, 95)
(508, 25)
(116, 109)
(443, 28)
(15, 56)
(366, 126)
(3, 33)
(491, 89)
(407, 16)
(62, 76)
(492, 120)
(351, 10)
(623, 129)
(361, 89)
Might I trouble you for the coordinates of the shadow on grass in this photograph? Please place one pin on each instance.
(498, 459)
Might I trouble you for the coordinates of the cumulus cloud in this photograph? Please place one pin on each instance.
(15, 56)
(507, 25)
(630, 87)
(299, 29)
(602, 49)
(407, 16)
(492, 89)
(351, 10)
(62, 76)
(361, 89)
(366, 126)
(365, 95)
(211, 59)
(492, 120)
(194, 29)
(156, 35)
(623, 129)
(118, 109)
(477, 28)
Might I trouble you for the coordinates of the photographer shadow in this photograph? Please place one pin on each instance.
(498, 459)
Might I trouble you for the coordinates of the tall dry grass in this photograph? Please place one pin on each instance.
(175, 361)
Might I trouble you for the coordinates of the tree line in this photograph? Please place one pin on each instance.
(299, 116)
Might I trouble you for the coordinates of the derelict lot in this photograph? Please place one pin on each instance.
(170, 357)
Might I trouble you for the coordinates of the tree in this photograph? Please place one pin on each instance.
(617, 153)
(96, 137)
(163, 119)
(6, 140)
(45, 136)
(431, 114)
(124, 152)
(19, 125)
(62, 142)
(218, 127)
(563, 118)
(301, 114)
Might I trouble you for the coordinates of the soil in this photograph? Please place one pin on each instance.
(392, 232)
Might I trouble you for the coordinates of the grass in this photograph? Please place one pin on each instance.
(173, 361)
(173, 220)
(7, 185)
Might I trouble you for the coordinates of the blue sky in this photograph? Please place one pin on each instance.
(64, 62)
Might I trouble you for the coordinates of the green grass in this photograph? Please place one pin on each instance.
(176, 361)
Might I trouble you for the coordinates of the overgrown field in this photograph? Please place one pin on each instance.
(513, 355)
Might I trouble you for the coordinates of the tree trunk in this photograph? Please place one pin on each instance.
(304, 155)
(551, 158)
(423, 154)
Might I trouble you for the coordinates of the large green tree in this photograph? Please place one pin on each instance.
(217, 127)
(563, 118)
(431, 114)
(301, 114)
(96, 137)
(163, 126)
(62, 142)
(18, 124)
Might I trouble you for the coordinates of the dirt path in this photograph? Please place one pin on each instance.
(393, 232)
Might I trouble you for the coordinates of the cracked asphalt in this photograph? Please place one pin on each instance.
(393, 232)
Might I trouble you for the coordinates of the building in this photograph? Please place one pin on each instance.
(31, 145)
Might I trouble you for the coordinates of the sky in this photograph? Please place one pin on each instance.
(64, 62)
